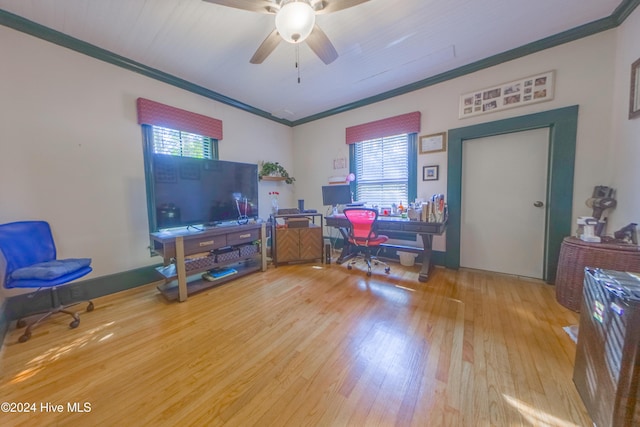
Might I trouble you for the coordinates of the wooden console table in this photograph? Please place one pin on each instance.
(190, 252)
(426, 230)
(575, 255)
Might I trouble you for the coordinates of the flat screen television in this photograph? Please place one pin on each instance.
(187, 191)
(333, 195)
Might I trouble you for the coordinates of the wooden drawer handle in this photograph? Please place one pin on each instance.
(207, 243)
(244, 236)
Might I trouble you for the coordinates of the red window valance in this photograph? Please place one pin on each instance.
(404, 123)
(157, 114)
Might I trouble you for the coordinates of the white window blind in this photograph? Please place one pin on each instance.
(184, 144)
(382, 170)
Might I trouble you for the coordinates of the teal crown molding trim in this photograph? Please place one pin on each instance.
(18, 23)
(614, 20)
(528, 49)
(29, 27)
(563, 127)
(623, 11)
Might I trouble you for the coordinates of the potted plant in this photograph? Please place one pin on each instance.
(275, 169)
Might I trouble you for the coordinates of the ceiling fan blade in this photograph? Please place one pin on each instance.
(265, 49)
(328, 6)
(262, 6)
(320, 44)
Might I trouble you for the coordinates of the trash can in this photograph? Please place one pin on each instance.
(407, 258)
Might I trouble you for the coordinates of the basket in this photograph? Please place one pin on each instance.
(297, 222)
(228, 256)
(205, 263)
(575, 255)
(248, 250)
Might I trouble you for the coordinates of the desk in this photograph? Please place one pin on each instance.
(426, 230)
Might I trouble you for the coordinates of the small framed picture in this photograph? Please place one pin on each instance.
(433, 143)
(430, 173)
(634, 100)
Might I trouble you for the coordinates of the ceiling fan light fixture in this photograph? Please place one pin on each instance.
(295, 21)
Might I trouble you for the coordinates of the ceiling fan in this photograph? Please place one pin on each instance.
(295, 23)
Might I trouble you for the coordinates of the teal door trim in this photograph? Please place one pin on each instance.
(563, 125)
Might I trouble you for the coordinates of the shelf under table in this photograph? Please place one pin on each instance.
(195, 284)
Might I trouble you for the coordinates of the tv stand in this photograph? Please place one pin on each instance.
(188, 253)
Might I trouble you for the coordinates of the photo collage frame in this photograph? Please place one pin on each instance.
(529, 90)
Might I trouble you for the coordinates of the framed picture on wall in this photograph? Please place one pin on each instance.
(634, 100)
(433, 143)
(516, 93)
(430, 173)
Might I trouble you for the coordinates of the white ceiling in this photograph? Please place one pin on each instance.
(382, 44)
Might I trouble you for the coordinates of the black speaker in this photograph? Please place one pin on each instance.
(327, 253)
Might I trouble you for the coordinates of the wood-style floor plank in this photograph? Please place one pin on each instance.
(308, 344)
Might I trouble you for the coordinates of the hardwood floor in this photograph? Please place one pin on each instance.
(307, 345)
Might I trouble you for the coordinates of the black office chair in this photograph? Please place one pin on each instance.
(30, 257)
(362, 234)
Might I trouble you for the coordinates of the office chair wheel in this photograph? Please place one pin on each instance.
(387, 270)
(368, 274)
(74, 323)
(21, 324)
(24, 337)
(349, 267)
(90, 306)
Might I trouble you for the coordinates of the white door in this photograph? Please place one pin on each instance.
(504, 185)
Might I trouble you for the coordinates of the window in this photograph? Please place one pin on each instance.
(161, 140)
(385, 169)
(183, 144)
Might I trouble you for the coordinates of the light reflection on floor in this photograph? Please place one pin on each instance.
(388, 351)
(396, 294)
(384, 349)
(535, 416)
(35, 365)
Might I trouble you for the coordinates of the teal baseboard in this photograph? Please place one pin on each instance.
(4, 323)
(23, 305)
(437, 257)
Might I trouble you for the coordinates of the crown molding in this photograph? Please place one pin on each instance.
(18, 23)
(623, 11)
(45, 33)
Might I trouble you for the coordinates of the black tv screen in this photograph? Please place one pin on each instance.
(333, 195)
(188, 191)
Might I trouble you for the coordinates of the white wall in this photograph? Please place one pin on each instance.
(584, 70)
(71, 148)
(625, 137)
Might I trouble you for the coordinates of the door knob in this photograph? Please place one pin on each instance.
(538, 204)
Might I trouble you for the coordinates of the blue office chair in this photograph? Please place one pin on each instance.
(30, 257)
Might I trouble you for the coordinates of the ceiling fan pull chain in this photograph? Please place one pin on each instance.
(298, 61)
